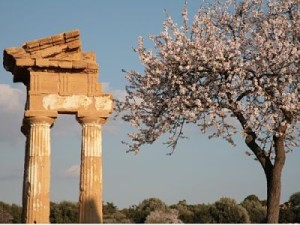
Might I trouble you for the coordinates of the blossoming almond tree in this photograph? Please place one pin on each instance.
(237, 61)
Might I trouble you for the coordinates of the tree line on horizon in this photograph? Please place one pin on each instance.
(153, 210)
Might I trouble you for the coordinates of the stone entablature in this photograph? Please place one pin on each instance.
(60, 78)
(61, 51)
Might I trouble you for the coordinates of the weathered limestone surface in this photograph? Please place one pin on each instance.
(36, 187)
(60, 79)
(59, 76)
(90, 201)
(60, 51)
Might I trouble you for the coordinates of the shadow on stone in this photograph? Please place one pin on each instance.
(90, 212)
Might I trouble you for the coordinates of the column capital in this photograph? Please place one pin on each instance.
(29, 121)
(91, 120)
(40, 119)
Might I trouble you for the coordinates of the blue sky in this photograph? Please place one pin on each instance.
(200, 170)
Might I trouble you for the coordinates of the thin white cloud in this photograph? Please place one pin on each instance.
(11, 99)
(72, 171)
(116, 93)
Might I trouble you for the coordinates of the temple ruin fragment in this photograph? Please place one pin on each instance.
(60, 79)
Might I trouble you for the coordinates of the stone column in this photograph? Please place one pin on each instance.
(36, 183)
(90, 199)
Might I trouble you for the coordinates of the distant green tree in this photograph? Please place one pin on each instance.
(16, 212)
(134, 214)
(184, 212)
(55, 214)
(199, 213)
(64, 212)
(5, 216)
(295, 204)
(117, 217)
(287, 215)
(139, 213)
(109, 208)
(111, 214)
(202, 213)
(290, 211)
(163, 216)
(257, 212)
(226, 210)
(252, 198)
(295, 199)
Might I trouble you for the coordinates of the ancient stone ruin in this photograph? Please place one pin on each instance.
(60, 79)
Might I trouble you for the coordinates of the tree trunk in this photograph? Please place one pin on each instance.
(272, 170)
(273, 175)
(273, 194)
